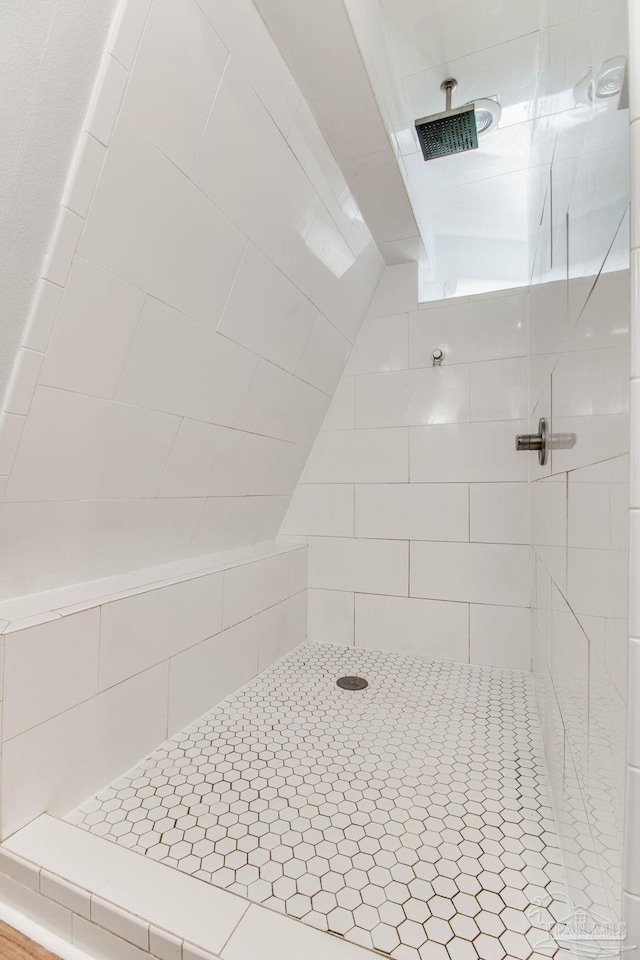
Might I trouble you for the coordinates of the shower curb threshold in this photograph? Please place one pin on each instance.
(110, 902)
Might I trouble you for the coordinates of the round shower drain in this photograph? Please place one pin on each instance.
(352, 683)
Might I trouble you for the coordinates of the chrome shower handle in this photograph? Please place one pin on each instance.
(536, 441)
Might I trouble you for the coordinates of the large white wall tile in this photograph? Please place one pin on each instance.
(55, 765)
(279, 468)
(613, 471)
(228, 522)
(138, 632)
(77, 447)
(245, 34)
(329, 273)
(87, 167)
(619, 515)
(311, 149)
(368, 255)
(589, 514)
(106, 100)
(107, 536)
(500, 636)
(549, 511)
(49, 668)
(634, 466)
(554, 560)
(591, 383)
(24, 377)
(11, 428)
(413, 397)
(597, 438)
(382, 346)
(284, 626)
(324, 356)
(267, 313)
(500, 512)
(422, 628)
(341, 414)
(205, 674)
(280, 405)
(597, 583)
(478, 329)
(281, 196)
(181, 366)
(272, 512)
(211, 461)
(252, 587)
(298, 571)
(65, 242)
(412, 511)
(176, 73)
(91, 338)
(331, 617)
(397, 291)
(43, 315)
(321, 509)
(33, 535)
(282, 214)
(127, 29)
(369, 566)
(633, 746)
(360, 456)
(499, 390)
(146, 215)
(474, 572)
(467, 452)
(604, 735)
(632, 871)
(634, 572)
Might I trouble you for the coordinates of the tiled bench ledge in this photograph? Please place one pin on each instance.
(112, 903)
(94, 684)
(32, 609)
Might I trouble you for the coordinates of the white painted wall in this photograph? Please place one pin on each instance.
(414, 502)
(209, 274)
(49, 56)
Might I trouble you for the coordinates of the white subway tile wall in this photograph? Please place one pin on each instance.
(195, 312)
(414, 502)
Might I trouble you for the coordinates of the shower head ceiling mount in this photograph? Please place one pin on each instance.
(456, 129)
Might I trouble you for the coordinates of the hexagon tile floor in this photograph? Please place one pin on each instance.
(412, 817)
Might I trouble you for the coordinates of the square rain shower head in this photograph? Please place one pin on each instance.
(452, 131)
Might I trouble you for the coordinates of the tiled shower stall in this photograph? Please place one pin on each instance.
(232, 473)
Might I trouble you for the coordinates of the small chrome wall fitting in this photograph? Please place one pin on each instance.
(437, 357)
(536, 441)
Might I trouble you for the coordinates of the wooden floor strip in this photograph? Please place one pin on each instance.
(15, 946)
